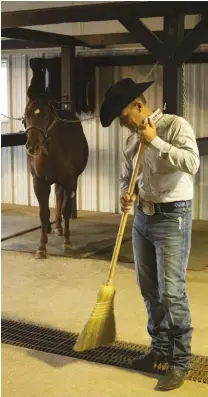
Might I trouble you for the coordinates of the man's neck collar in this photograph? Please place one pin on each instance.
(155, 116)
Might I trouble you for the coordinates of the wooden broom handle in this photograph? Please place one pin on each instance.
(125, 216)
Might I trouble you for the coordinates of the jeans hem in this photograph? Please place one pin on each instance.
(175, 367)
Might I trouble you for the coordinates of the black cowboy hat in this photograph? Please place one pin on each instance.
(118, 97)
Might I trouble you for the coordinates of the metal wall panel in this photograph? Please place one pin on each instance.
(98, 187)
(6, 176)
(6, 165)
(107, 166)
(18, 95)
(87, 184)
(196, 109)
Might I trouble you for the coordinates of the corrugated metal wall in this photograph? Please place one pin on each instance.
(197, 115)
(98, 188)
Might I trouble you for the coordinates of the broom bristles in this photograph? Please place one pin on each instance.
(100, 330)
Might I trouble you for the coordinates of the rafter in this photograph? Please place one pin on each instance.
(100, 12)
(191, 42)
(43, 37)
(145, 36)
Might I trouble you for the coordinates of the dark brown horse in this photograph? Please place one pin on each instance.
(58, 153)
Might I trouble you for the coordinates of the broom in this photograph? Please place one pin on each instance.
(100, 330)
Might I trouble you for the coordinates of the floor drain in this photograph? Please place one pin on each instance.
(60, 342)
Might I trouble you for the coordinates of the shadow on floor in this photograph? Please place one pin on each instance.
(93, 237)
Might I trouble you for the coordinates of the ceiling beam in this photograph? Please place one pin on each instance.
(42, 37)
(119, 38)
(100, 12)
(192, 41)
(93, 40)
(146, 37)
(107, 60)
(22, 45)
(173, 75)
(143, 59)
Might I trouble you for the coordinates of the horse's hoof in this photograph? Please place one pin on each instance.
(67, 248)
(58, 231)
(40, 254)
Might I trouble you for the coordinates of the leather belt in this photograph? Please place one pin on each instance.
(150, 208)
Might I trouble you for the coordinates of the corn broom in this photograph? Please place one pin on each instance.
(100, 330)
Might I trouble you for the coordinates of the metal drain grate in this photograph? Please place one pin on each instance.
(59, 342)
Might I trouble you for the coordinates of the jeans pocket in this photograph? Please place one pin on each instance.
(175, 215)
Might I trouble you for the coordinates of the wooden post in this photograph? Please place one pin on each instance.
(172, 75)
(68, 90)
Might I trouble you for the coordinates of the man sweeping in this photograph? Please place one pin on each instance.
(162, 225)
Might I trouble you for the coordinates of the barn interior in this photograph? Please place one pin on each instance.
(79, 49)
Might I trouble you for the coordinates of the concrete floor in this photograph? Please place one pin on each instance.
(61, 293)
(92, 235)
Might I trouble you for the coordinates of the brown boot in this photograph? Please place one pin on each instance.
(150, 362)
(172, 379)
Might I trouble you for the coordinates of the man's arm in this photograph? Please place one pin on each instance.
(125, 178)
(182, 152)
(126, 173)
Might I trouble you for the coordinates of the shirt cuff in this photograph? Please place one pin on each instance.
(161, 145)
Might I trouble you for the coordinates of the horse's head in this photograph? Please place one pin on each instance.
(38, 116)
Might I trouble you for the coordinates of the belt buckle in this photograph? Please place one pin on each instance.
(148, 208)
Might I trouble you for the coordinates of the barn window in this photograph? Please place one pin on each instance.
(4, 90)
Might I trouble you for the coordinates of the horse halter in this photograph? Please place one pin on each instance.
(46, 130)
(51, 125)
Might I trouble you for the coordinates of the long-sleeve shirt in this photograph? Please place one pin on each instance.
(168, 163)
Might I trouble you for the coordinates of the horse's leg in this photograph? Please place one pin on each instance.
(67, 210)
(42, 191)
(59, 202)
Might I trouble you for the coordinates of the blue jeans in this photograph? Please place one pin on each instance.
(161, 246)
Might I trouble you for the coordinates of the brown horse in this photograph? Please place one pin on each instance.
(58, 153)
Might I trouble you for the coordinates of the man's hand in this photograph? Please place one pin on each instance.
(148, 132)
(127, 202)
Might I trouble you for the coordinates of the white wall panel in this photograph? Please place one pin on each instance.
(18, 95)
(6, 175)
(6, 165)
(6, 168)
(196, 109)
(87, 184)
(106, 151)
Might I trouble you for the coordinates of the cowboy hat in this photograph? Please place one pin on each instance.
(118, 97)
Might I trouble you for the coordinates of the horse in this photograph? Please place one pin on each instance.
(58, 153)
